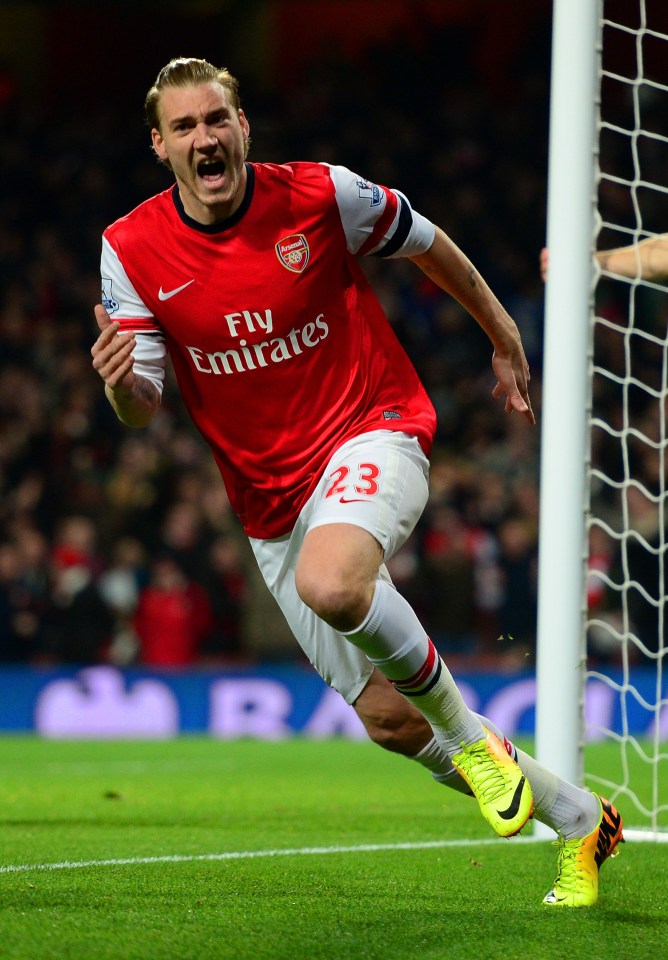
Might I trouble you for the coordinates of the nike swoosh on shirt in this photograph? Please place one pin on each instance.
(514, 803)
(166, 294)
(353, 500)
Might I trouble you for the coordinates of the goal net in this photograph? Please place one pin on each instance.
(627, 522)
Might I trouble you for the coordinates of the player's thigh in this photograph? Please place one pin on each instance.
(378, 482)
(338, 561)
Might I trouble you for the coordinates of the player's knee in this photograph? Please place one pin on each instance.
(340, 602)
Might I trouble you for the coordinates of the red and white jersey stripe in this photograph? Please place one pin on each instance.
(281, 349)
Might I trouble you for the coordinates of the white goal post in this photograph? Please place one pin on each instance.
(605, 410)
(560, 662)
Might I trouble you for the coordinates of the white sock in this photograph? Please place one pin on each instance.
(433, 757)
(566, 809)
(574, 812)
(394, 641)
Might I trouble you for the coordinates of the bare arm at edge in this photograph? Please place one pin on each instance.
(647, 259)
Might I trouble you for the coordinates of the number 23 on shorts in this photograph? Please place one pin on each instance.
(363, 481)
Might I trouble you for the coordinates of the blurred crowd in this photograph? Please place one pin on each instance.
(119, 546)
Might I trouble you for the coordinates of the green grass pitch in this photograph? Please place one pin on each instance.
(185, 815)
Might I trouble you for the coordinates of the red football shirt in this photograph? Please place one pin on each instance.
(281, 349)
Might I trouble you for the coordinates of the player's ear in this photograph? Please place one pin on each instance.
(245, 125)
(245, 130)
(158, 145)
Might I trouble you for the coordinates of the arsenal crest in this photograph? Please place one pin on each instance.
(293, 252)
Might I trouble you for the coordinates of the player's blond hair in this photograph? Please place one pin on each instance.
(186, 72)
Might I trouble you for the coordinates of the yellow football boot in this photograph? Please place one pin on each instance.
(496, 781)
(580, 860)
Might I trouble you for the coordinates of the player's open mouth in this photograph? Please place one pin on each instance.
(211, 172)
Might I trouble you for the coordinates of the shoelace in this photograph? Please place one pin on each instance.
(492, 783)
(568, 877)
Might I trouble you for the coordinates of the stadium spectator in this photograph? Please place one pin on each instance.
(120, 585)
(173, 618)
(226, 584)
(518, 565)
(448, 575)
(19, 626)
(80, 625)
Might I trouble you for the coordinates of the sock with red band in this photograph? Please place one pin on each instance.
(394, 641)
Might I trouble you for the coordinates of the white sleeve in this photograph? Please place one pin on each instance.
(123, 303)
(377, 220)
(150, 356)
(419, 238)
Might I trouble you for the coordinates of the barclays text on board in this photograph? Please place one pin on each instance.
(273, 703)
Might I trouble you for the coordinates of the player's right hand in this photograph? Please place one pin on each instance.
(112, 354)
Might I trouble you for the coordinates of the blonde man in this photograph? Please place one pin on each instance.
(247, 274)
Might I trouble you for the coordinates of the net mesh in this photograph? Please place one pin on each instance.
(627, 693)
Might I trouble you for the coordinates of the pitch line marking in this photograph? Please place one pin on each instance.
(256, 854)
(630, 834)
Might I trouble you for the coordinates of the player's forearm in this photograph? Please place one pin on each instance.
(648, 259)
(136, 407)
(453, 272)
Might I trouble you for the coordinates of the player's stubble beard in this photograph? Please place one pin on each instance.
(222, 202)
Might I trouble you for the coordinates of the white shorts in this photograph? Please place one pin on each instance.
(378, 481)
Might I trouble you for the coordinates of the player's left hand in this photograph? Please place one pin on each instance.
(513, 380)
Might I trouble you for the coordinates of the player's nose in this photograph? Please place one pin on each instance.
(204, 138)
